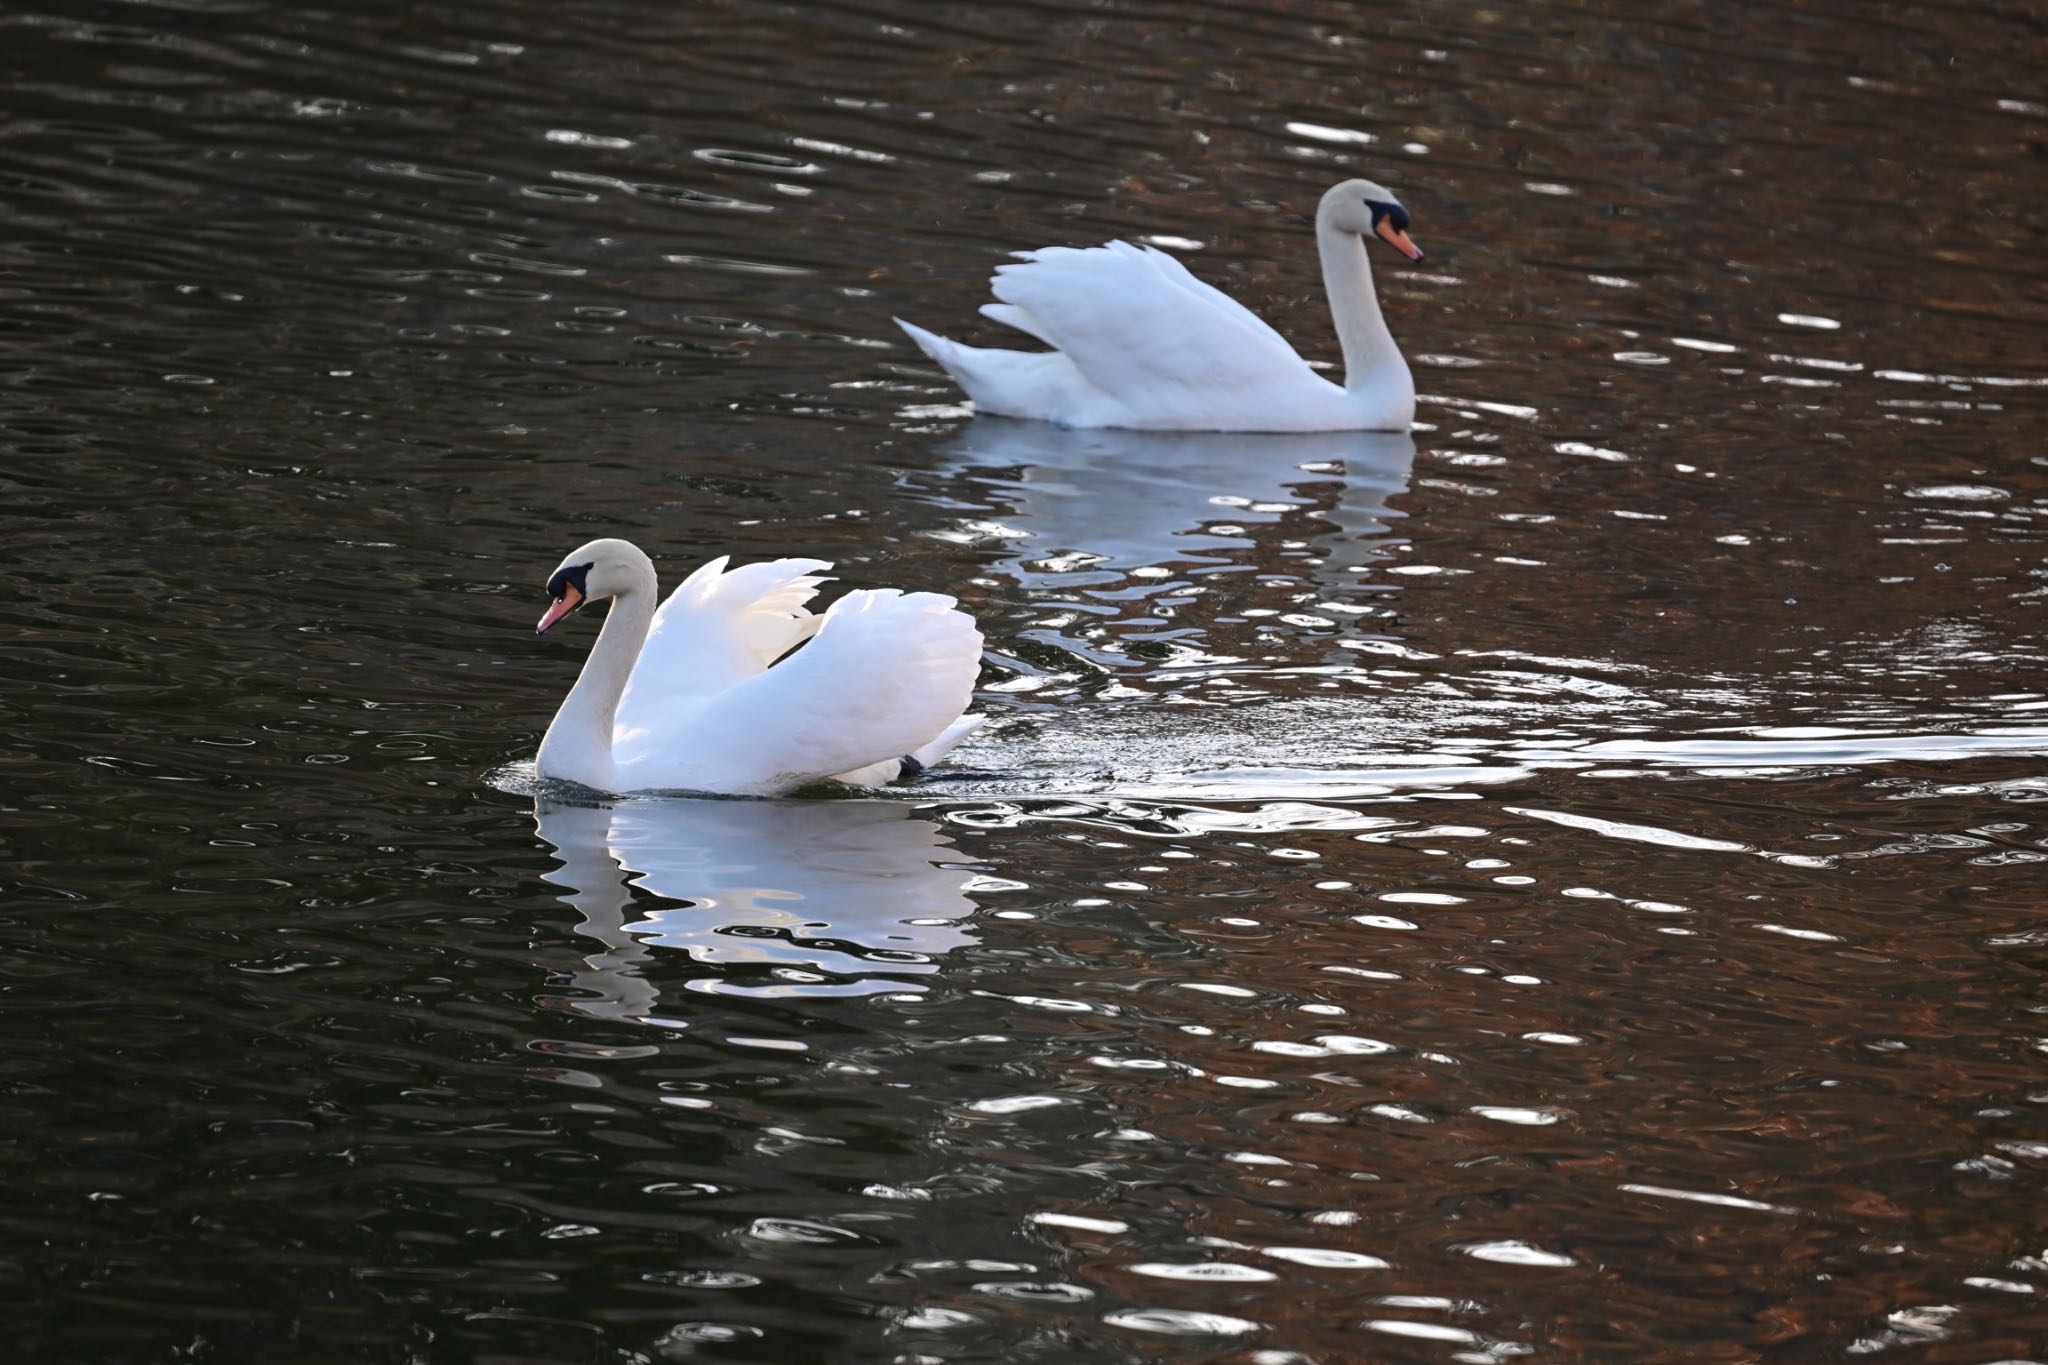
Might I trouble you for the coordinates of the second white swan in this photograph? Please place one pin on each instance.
(699, 696)
(1140, 342)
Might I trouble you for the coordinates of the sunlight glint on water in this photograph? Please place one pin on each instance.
(1564, 885)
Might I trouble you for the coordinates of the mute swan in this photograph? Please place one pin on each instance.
(1140, 342)
(697, 696)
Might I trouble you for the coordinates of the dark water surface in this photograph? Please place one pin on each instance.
(1566, 887)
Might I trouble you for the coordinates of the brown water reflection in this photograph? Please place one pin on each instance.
(1468, 1086)
(1562, 887)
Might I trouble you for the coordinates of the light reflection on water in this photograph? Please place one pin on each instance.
(1563, 885)
(785, 898)
(1106, 503)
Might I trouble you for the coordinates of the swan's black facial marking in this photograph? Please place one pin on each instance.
(1381, 210)
(567, 577)
(1390, 225)
(911, 768)
(570, 589)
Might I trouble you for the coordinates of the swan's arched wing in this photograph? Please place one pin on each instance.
(1138, 325)
(1176, 270)
(885, 673)
(716, 629)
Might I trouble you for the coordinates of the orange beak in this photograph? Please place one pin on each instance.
(566, 603)
(1398, 239)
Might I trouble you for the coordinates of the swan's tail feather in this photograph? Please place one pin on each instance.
(949, 739)
(1004, 383)
(912, 765)
(977, 369)
(944, 352)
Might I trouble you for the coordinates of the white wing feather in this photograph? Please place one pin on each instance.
(885, 674)
(1137, 325)
(716, 629)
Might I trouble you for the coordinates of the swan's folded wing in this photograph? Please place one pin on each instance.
(717, 628)
(885, 674)
(1136, 323)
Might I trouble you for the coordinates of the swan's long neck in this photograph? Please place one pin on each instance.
(1372, 361)
(578, 746)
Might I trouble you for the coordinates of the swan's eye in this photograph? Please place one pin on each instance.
(1398, 214)
(567, 577)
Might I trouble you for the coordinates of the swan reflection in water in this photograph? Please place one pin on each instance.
(1125, 500)
(778, 898)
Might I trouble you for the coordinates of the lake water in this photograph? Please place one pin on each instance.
(1568, 886)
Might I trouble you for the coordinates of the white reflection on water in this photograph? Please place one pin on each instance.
(794, 898)
(1136, 499)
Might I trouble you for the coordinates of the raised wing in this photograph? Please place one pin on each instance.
(883, 676)
(1137, 324)
(716, 629)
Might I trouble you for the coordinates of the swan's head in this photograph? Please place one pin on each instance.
(1370, 210)
(601, 569)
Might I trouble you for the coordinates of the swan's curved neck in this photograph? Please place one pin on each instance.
(578, 745)
(1371, 359)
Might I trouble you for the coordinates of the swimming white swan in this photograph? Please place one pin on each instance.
(698, 696)
(1139, 342)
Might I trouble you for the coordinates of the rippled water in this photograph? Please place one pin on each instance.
(1567, 886)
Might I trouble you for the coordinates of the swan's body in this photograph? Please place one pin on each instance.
(697, 696)
(1140, 342)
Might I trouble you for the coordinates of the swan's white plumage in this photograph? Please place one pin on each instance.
(883, 675)
(1139, 325)
(926, 755)
(711, 699)
(1139, 342)
(719, 626)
